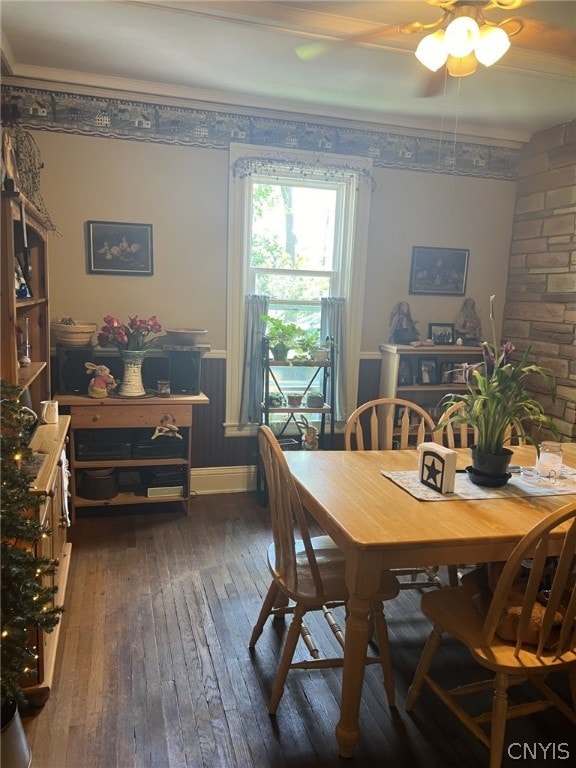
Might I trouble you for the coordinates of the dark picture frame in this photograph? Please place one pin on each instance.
(438, 271)
(405, 378)
(427, 371)
(119, 248)
(446, 373)
(441, 333)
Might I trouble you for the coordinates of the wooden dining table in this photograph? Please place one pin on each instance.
(378, 524)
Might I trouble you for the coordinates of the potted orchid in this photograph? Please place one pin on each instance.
(496, 401)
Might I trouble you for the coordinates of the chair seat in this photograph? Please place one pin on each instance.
(332, 565)
(456, 612)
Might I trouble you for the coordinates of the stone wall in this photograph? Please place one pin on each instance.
(540, 310)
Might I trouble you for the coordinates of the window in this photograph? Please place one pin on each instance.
(297, 233)
(294, 253)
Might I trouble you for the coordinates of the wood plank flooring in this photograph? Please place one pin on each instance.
(154, 670)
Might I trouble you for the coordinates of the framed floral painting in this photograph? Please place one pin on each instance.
(118, 248)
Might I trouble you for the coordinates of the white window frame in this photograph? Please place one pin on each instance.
(356, 173)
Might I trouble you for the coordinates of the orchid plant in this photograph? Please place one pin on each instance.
(497, 400)
(132, 336)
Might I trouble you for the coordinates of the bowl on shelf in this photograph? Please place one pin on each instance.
(184, 337)
(77, 335)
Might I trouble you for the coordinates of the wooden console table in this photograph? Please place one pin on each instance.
(114, 433)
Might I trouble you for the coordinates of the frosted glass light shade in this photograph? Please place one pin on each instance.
(492, 45)
(461, 36)
(431, 51)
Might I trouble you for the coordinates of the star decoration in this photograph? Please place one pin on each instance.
(433, 472)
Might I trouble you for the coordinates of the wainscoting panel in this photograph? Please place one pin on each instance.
(209, 446)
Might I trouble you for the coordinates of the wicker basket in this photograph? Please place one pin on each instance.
(77, 335)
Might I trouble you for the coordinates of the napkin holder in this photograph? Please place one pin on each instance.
(437, 467)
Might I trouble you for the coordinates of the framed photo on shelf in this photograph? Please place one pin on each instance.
(118, 248)
(441, 333)
(438, 271)
(427, 371)
(405, 373)
(447, 371)
(458, 375)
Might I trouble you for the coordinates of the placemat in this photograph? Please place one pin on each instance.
(465, 489)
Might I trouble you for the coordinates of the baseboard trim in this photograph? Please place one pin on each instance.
(206, 480)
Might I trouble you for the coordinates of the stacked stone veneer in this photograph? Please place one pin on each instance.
(540, 310)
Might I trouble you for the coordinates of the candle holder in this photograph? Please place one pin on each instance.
(24, 358)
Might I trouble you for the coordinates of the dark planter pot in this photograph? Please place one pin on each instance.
(490, 469)
(279, 351)
(15, 748)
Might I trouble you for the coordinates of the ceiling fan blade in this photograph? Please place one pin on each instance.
(540, 36)
(312, 50)
(434, 84)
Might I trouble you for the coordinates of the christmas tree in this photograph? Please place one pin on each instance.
(27, 602)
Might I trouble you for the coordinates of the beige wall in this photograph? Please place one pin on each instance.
(183, 193)
(180, 191)
(410, 208)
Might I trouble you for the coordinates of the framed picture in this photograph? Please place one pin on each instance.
(117, 248)
(447, 371)
(458, 376)
(405, 372)
(441, 333)
(427, 371)
(438, 271)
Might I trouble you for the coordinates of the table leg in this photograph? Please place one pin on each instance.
(355, 650)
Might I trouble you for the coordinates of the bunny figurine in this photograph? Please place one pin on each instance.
(102, 382)
(310, 438)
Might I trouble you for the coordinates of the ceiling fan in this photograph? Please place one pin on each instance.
(465, 35)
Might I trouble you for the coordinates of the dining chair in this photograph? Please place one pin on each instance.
(389, 423)
(308, 575)
(526, 632)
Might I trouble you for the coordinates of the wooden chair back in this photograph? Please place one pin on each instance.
(388, 423)
(287, 516)
(555, 627)
(461, 436)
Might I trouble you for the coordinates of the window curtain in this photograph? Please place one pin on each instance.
(252, 393)
(333, 323)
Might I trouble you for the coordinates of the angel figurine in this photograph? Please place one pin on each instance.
(468, 325)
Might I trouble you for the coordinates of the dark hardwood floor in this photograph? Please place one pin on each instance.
(154, 670)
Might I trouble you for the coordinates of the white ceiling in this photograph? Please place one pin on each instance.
(243, 54)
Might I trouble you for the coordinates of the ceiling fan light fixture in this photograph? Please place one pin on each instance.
(462, 35)
(492, 45)
(431, 51)
(462, 66)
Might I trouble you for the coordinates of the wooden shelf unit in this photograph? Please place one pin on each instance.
(49, 440)
(34, 378)
(402, 372)
(144, 415)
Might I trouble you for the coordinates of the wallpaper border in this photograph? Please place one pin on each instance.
(134, 120)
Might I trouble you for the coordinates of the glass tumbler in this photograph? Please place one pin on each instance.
(550, 460)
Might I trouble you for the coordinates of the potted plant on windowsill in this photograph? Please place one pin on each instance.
(314, 399)
(282, 337)
(27, 602)
(495, 402)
